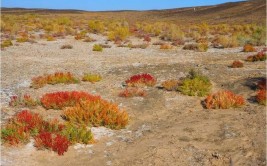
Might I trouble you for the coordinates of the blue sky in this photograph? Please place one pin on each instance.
(102, 5)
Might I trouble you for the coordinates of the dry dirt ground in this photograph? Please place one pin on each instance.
(165, 128)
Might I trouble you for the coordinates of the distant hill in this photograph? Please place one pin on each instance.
(253, 11)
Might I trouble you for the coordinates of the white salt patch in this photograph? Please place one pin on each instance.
(100, 132)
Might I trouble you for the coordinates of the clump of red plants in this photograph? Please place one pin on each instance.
(59, 100)
(237, 64)
(260, 56)
(132, 92)
(50, 135)
(141, 80)
(248, 48)
(52, 141)
(56, 78)
(223, 100)
(26, 124)
(261, 93)
(24, 101)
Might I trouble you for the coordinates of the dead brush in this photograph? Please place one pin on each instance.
(170, 85)
(133, 92)
(166, 47)
(66, 46)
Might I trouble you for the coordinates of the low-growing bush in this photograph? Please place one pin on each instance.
(105, 45)
(195, 84)
(147, 38)
(260, 56)
(225, 42)
(223, 100)
(202, 47)
(59, 100)
(24, 101)
(88, 39)
(50, 38)
(237, 64)
(97, 47)
(142, 46)
(178, 42)
(171, 85)
(141, 80)
(119, 33)
(22, 39)
(261, 96)
(57, 78)
(132, 92)
(190, 47)
(166, 46)
(6, 43)
(158, 43)
(91, 77)
(248, 48)
(78, 133)
(66, 46)
(97, 113)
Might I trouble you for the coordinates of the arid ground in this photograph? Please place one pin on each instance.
(165, 128)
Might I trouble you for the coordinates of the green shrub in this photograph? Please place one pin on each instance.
(119, 33)
(78, 133)
(91, 77)
(195, 85)
(97, 47)
(6, 43)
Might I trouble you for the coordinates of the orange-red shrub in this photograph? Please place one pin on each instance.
(237, 64)
(261, 96)
(248, 48)
(141, 80)
(97, 113)
(56, 78)
(132, 91)
(223, 100)
(59, 100)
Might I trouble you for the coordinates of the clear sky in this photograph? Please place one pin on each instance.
(102, 5)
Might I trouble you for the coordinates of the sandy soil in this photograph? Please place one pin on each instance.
(166, 128)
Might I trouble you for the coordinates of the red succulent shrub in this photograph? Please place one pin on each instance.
(48, 140)
(132, 91)
(60, 144)
(141, 80)
(59, 100)
(261, 97)
(223, 100)
(237, 64)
